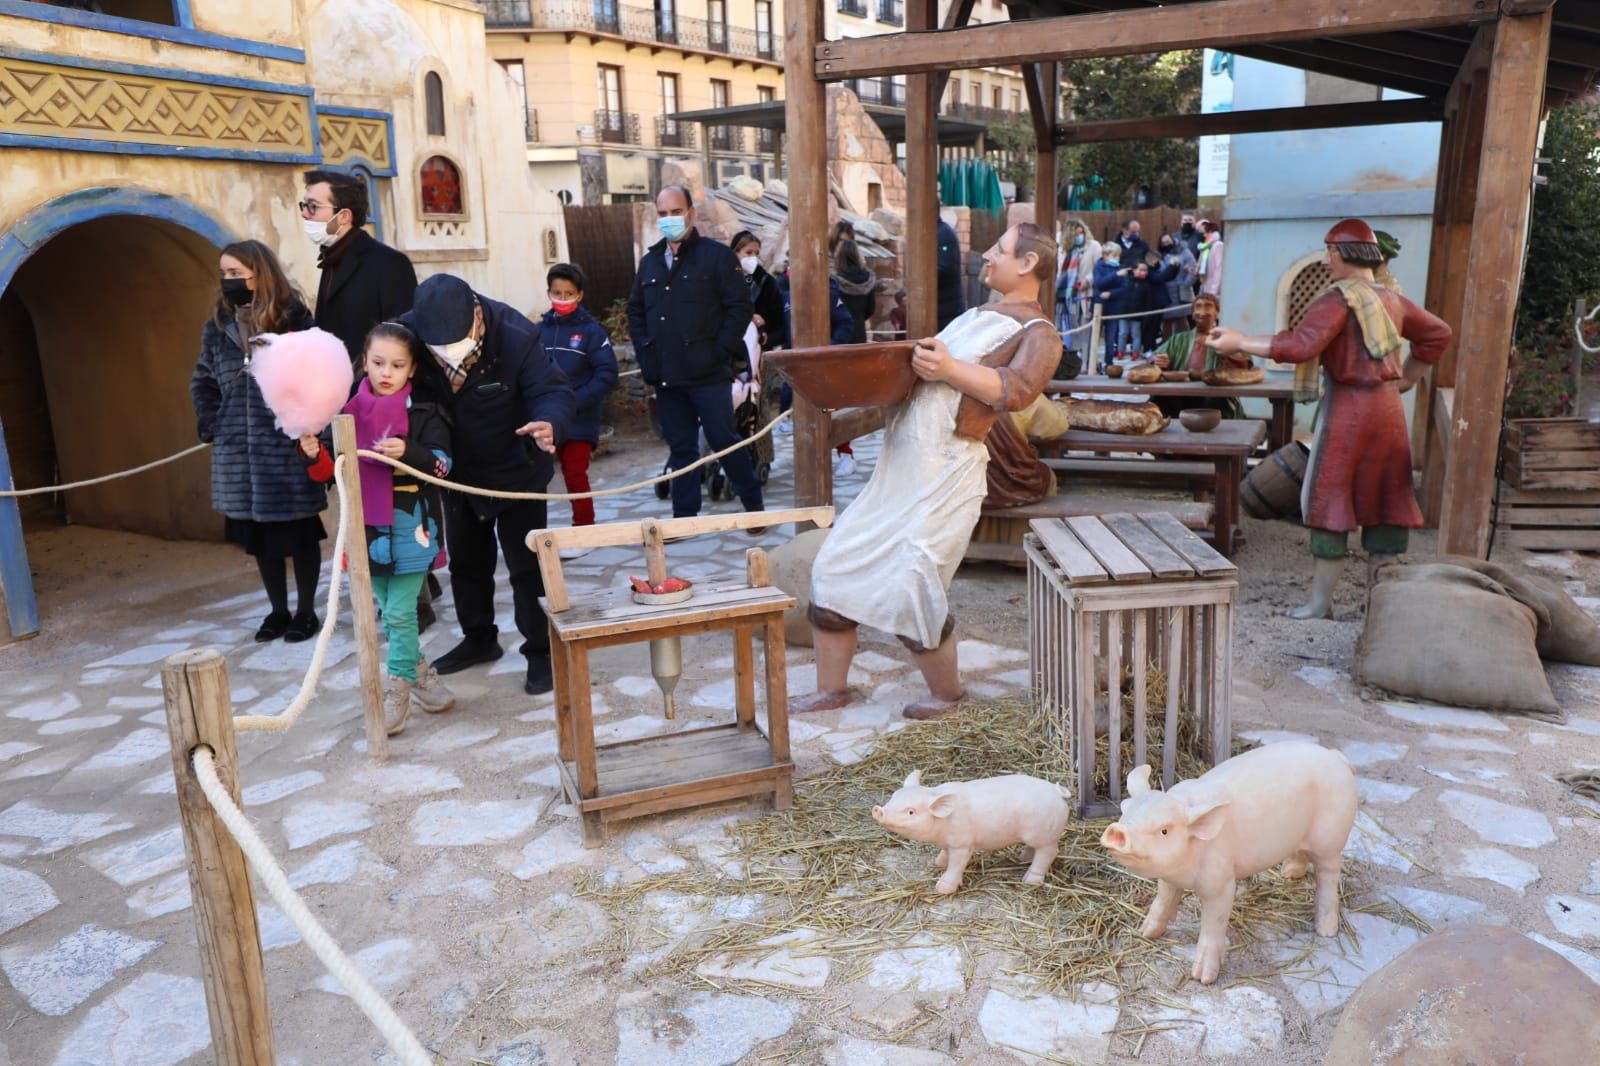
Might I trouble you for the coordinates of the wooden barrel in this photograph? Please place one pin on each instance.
(1272, 489)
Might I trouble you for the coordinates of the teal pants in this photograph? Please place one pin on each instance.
(397, 598)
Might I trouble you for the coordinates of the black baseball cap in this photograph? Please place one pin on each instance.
(443, 309)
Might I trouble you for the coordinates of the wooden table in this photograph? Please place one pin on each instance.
(1280, 427)
(1226, 448)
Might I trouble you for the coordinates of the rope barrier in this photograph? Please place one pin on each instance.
(280, 723)
(1577, 330)
(42, 490)
(499, 494)
(395, 1033)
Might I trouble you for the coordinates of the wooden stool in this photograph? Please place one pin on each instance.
(1138, 589)
(611, 782)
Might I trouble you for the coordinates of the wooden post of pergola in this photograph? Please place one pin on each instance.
(1491, 95)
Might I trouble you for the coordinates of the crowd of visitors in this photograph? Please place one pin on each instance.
(1141, 293)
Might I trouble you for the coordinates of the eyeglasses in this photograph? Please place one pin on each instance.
(309, 208)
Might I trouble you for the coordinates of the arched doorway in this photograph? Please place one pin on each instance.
(102, 298)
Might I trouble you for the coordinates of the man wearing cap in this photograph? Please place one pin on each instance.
(687, 315)
(1359, 474)
(510, 406)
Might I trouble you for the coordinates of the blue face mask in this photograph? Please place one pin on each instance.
(673, 227)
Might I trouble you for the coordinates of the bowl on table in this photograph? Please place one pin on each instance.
(835, 376)
(1199, 419)
(1175, 375)
(1114, 370)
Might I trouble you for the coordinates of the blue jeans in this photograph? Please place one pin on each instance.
(1128, 334)
(684, 412)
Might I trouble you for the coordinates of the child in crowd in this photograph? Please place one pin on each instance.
(403, 516)
(897, 315)
(582, 348)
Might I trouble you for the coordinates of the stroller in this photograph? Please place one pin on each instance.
(755, 403)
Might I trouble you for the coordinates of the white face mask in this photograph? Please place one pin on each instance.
(750, 262)
(317, 232)
(456, 351)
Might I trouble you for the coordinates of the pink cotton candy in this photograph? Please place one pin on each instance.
(305, 378)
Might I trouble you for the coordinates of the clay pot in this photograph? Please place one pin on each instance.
(849, 375)
(1200, 419)
(1114, 370)
(1470, 994)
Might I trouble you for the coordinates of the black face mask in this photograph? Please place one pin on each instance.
(236, 291)
(1188, 228)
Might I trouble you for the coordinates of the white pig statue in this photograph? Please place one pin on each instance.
(1294, 801)
(987, 814)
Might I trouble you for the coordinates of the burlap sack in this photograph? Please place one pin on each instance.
(789, 566)
(1572, 635)
(1448, 634)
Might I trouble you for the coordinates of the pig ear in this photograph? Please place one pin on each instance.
(1205, 819)
(1139, 780)
(943, 806)
(913, 779)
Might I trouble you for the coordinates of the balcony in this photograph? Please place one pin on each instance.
(878, 91)
(858, 8)
(642, 24)
(616, 127)
(766, 141)
(891, 13)
(726, 138)
(673, 134)
(531, 125)
(989, 115)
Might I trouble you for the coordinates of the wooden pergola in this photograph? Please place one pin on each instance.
(1487, 69)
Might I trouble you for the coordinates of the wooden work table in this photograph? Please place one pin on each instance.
(1280, 427)
(1226, 448)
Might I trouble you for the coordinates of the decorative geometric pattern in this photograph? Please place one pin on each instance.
(1305, 288)
(435, 228)
(351, 139)
(42, 99)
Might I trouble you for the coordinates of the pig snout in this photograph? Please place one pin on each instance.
(877, 815)
(1115, 838)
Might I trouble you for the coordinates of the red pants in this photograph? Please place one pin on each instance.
(575, 472)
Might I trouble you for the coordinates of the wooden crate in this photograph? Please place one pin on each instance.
(1549, 519)
(1552, 453)
(1139, 589)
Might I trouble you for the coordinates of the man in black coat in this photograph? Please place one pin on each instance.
(687, 315)
(364, 281)
(510, 406)
(951, 301)
(1134, 248)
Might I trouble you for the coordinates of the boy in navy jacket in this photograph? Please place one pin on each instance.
(582, 348)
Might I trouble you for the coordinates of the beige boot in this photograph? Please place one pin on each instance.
(396, 705)
(428, 692)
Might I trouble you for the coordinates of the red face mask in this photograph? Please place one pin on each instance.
(563, 307)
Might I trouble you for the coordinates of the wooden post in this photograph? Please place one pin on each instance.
(806, 127)
(922, 187)
(1094, 340)
(361, 608)
(1513, 107)
(200, 714)
(1578, 314)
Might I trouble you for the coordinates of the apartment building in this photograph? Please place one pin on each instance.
(602, 78)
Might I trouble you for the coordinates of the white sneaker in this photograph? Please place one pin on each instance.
(845, 466)
(428, 692)
(575, 553)
(396, 705)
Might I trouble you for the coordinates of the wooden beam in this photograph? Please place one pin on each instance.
(1045, 159)
(1042, 115)
(1259, 120)
(1333, 68)
(1227, 24)
(959, 15)
(1494, 269)
(806, 126)
(922, 187)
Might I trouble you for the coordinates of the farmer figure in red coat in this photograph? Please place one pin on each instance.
(1359, 475)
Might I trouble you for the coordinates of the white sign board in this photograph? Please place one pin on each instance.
(1216, 95)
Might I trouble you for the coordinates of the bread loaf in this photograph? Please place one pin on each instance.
(1234, 375)
(1143, 374)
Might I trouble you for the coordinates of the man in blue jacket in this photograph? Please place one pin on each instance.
(510, 406)
(687, 315)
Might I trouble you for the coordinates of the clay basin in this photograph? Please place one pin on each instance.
(1199, 419)
(849, 375)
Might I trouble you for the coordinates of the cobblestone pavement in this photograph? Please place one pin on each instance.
(451, 872)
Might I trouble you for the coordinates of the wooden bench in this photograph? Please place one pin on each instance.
(998, 537)
(1196, 477)
(691, 767)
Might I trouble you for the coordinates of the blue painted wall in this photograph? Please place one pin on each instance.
(1286, 189)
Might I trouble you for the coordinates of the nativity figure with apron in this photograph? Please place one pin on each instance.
(1359, 473)
(889, 560)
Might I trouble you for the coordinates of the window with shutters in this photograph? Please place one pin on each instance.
(1307, 285)
(433, 98)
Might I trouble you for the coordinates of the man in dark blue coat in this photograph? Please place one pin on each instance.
(687, 314)
(510, 406)
(951, 300)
